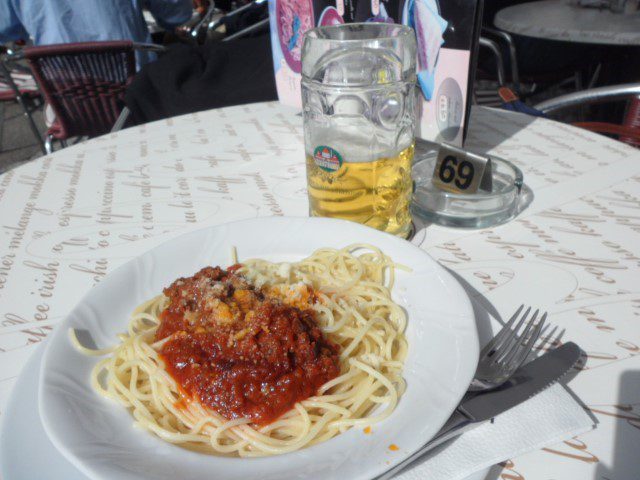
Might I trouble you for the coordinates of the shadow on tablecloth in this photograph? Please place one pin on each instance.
(626, 415)
(491, 127)
(483, 310)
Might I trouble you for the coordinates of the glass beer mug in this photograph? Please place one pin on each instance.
(359, 101)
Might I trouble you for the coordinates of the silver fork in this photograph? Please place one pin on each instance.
(499, 360)
(507, 351)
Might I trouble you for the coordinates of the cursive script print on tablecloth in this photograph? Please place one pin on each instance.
(69, 219)
(580, 262)
(99, 203)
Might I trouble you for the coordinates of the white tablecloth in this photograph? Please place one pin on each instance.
(559, 20)
(70, 218)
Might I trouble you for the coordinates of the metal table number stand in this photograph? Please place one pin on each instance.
(461, 171)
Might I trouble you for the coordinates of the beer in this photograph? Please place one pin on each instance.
(376, 193)
(358, 104)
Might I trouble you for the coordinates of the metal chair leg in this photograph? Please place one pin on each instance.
(48, 144)
(246, 31)
(32, 123)
(513, 58)
(122, 119)
(494, 48)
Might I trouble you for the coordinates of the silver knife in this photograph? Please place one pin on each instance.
(526, 382)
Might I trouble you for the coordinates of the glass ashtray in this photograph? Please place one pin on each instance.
(476, 210)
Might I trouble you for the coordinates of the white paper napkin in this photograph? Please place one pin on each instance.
(546, 419)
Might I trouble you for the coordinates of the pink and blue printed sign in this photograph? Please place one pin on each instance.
(447, 33)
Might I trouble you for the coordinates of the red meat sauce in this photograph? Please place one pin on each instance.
(242, 351)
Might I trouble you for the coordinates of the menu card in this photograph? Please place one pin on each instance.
(447, 32)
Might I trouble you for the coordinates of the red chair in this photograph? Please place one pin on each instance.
(84, 83)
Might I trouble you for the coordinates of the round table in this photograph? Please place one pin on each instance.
(559, 20)
(70, 218)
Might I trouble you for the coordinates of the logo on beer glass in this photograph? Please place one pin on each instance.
(327, 158)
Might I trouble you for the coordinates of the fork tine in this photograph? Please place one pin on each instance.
(530, 325)
(558, 339)
(521, 354)
(535, 335)
(510, 323)
(497, 341)
(516, 343)
(546, 337)
(504, 339)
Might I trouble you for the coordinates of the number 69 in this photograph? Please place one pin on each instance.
(458, 172)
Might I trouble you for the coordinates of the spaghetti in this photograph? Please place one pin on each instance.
(348, 291)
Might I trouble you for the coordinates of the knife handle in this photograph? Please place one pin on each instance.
(457, 424)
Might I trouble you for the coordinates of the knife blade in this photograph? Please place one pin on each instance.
(529, 380)
(526, 382)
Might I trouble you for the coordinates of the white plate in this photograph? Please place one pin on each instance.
(21, 426)
(97, 436)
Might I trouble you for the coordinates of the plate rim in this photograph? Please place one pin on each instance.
(471, 346)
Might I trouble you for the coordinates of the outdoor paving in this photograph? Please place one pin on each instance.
(17, 142)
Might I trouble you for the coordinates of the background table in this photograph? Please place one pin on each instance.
(558, 20)
(68, 219)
